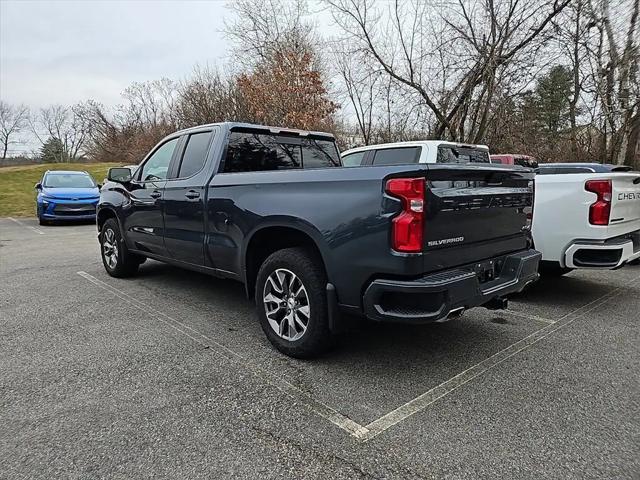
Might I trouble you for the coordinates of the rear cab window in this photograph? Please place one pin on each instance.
(397, 156)
(461, 154)
(259, 152)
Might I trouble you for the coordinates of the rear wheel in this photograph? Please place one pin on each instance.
(553, 269)
(292, 302)
(116, 258)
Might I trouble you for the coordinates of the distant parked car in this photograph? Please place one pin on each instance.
(66, 195)
(511, 159)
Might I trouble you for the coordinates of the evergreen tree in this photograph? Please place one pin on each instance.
(53, 151)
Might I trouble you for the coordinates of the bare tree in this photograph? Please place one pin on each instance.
(480, 40)
(261, 26)
(361, 88)
(617, 57)
(66, 125)
(206, 97)
(13, 119)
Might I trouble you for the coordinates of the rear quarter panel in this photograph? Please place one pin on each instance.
(344, 210)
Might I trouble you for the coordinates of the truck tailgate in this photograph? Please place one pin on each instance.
(474, 212)
(625, 199)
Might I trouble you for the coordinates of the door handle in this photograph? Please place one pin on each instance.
(155, 194)
(192, 195)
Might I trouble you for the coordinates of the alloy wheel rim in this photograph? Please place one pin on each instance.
(286, 304)
(110, 248)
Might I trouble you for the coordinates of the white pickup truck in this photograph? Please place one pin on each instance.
(423, 151)
(586, 216)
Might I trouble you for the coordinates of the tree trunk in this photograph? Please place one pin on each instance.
(632, 153)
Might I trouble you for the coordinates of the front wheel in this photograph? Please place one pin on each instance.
(116, 258)
(292, 302)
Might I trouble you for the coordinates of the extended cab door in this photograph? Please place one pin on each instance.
(144, 224)
(184, 198)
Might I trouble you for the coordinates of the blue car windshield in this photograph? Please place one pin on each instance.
(65, 180)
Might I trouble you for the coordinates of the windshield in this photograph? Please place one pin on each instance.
(454, 154)
(68, 180)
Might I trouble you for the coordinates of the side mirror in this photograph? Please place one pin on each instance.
(38, 186)
(119, 174)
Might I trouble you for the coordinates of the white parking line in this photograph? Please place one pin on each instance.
(371, 430)
(38, 231)
(319, 408)
(528, 316)
(423, 401)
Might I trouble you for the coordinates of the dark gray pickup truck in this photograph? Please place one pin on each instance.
(272, 208)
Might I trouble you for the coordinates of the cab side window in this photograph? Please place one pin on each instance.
(195, 154)
(157, 165)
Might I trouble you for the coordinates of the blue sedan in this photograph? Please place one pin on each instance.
(66, 195)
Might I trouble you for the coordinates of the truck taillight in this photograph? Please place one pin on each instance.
(599, 210)
(408, 227)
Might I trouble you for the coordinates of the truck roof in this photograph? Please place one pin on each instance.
(595, 167)
(413, 143)
(254, 126)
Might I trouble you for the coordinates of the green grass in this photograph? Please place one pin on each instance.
(17, 195)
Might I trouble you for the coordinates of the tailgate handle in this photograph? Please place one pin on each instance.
(636, 181)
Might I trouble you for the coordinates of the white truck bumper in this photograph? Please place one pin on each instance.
(607, 254)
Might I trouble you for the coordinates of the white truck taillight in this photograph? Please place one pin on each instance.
(600, 210)
(407, 229)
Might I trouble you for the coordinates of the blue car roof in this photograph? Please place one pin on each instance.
(66, 172)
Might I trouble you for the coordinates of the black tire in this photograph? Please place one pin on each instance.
(553, 269)
(126, 264)
(42, 221)
(307, 267)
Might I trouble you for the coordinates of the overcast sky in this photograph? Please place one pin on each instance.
(67, 51)
(63, 52)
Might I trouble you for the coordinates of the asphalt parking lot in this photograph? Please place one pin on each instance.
(169, 375)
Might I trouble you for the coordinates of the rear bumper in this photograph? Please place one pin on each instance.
(435, 296)
(607, 254)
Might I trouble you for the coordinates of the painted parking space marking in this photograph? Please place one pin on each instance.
(367, 432)
(528, 316)
(319, 408)
(423, 401)
(22, 224)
